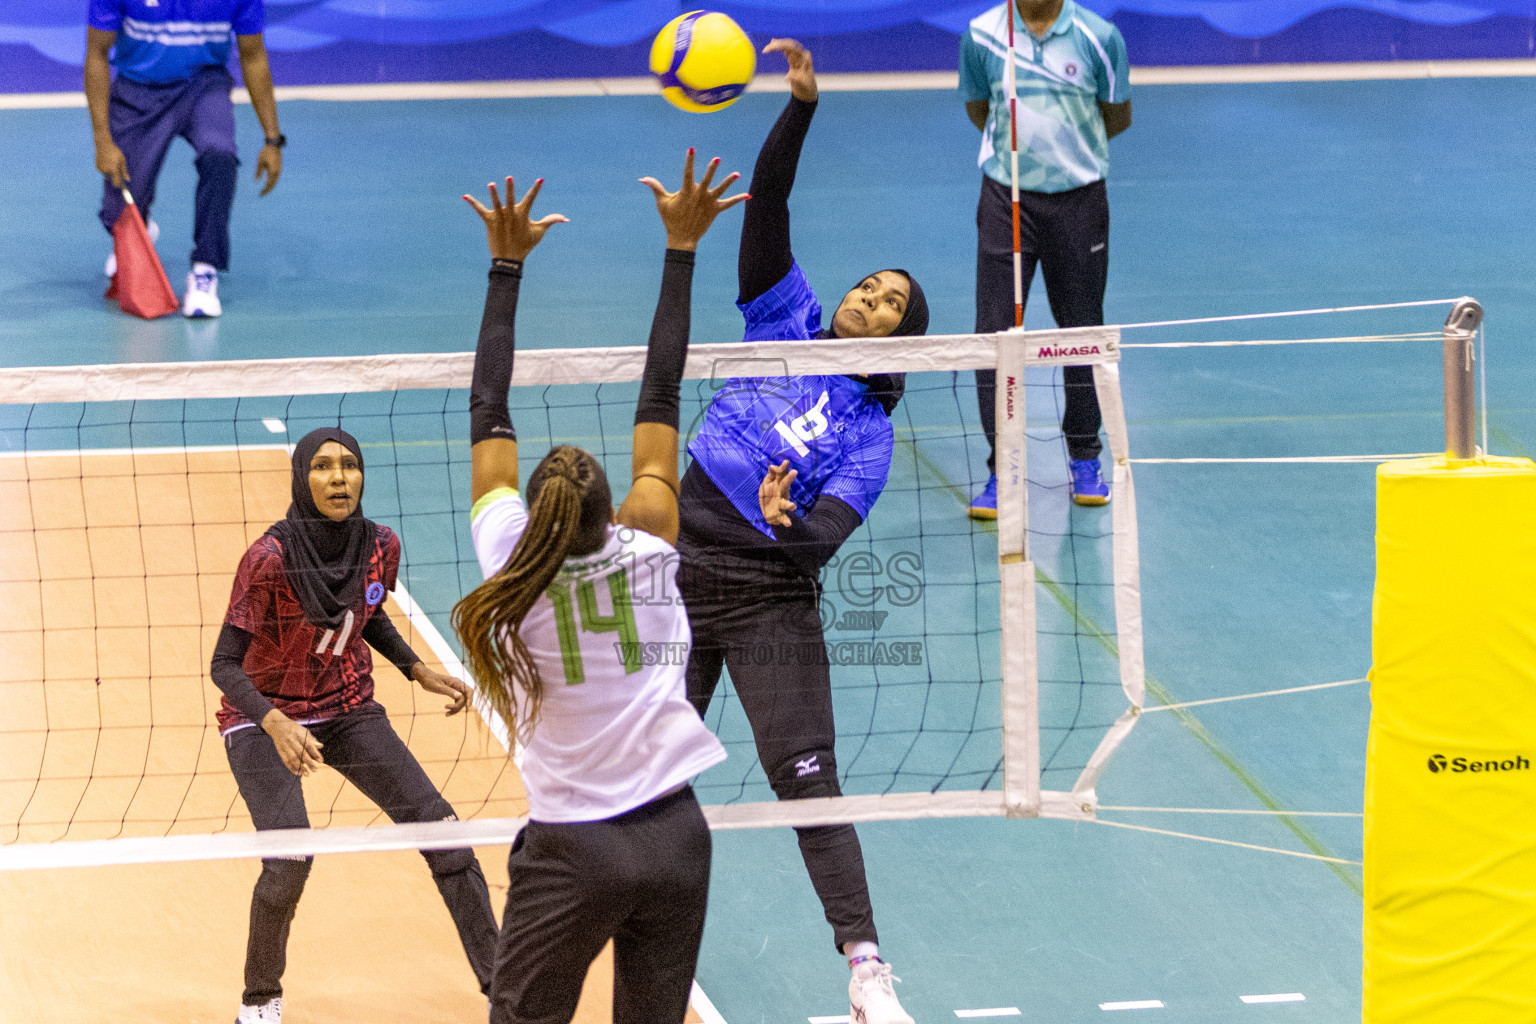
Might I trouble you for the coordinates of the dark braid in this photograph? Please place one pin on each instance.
(569, 504)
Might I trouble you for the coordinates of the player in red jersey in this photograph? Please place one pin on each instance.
(294, 664)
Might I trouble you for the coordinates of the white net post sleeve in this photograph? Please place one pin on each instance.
(1016, 588)
(1127, 587)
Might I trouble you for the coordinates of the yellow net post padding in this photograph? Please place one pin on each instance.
(1450, 794)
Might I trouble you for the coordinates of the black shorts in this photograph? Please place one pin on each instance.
(640, 879)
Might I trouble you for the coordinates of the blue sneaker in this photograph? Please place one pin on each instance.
(1088, 486)
(984, 505)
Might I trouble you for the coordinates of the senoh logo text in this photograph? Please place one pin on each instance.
(1457, 765)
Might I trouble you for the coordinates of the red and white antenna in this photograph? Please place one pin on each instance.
(1011, 84)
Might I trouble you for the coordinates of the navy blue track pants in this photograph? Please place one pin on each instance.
(146, 119)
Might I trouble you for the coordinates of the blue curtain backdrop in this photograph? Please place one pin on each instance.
(337, 41)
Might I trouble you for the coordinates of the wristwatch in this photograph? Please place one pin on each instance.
(278, 141)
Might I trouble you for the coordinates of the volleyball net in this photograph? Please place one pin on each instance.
(977, 668)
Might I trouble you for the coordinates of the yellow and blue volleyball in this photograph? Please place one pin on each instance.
(703, 60)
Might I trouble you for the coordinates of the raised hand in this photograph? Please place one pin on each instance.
(508, 229)
(688, 212)
(802, 76)
(773, 494)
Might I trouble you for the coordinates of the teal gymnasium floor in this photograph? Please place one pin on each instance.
(1225, 199)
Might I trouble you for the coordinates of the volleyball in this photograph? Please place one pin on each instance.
(703, 60)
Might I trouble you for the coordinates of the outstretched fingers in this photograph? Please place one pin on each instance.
(484, 213)
(527, 201)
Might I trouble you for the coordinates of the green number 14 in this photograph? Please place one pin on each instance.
(622, 621)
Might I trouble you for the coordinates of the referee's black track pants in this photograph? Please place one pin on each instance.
(764, 624)
(1067, 234)
(640, 879)
(365, 749)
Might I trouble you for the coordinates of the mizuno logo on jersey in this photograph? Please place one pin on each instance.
(805, 428)
(809, 766)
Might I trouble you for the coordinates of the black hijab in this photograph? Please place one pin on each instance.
(887, 388)
(324, 561)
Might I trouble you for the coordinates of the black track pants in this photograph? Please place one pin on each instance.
(764, 624)
(640, 879)
(1067, 234)
(365, 749)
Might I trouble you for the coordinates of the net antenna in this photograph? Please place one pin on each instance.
(1459, 355)
(1011, 78)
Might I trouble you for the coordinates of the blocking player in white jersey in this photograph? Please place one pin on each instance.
(562, 637)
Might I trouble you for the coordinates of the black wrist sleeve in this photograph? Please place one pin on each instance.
(228, 672)
(381, 634)
(488, 413)
(765, 256)
(667, 350)
(811, 542)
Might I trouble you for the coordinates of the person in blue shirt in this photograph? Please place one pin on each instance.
(171, 59)
(784, 470)
(1073, 86)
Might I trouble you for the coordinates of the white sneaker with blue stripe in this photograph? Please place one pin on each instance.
(202, 298)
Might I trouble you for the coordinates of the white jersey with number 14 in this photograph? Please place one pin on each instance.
(610, 637)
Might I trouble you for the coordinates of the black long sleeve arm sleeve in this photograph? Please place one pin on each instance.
(667, 350)
(765, 256)
(488, 413)
(382, 636)
(228, 672)
(812, 541)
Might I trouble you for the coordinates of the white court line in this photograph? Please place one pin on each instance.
(844, 1019)
(996, 1011)
(1278, 997)
(1211, 74)
(703, 1007)
(1134, 1004)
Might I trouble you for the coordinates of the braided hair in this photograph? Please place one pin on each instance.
(569, 505)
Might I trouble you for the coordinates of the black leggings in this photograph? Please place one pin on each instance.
(763, 622)
(365, 749)
(1067, 234)
(640, 879)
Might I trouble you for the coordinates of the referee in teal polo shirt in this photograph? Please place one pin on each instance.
(1074, 95)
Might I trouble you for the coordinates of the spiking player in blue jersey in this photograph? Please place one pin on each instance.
(784, 470)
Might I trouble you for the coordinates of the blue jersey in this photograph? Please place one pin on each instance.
(164, 41)
(837, 437)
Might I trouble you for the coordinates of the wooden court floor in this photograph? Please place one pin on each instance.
(115, 571)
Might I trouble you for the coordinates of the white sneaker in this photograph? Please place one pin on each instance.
(266, 1013)
(202, 297)
(111, 267)
(871, 999)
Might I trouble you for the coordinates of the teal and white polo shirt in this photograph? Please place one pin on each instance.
(1061, 81)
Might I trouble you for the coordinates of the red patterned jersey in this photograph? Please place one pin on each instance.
(308, 673)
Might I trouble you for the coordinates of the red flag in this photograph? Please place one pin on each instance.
(140, 285)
